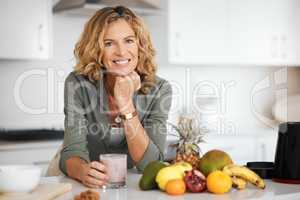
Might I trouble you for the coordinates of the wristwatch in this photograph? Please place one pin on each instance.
(128, 116)
(124, 117)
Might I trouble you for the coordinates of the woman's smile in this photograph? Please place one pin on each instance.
(121, 62)
(120, 48)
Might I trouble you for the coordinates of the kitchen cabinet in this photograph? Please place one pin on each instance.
(26, 29)
(234, 32)
(197, 31)
(263, 32)
(38, 153)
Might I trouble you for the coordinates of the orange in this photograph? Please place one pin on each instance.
(175, 187)
(218, 182)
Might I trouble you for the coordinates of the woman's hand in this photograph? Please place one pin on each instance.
(125, 86)
(93, 174)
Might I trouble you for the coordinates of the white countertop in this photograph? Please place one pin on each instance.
(273, 191)
(18, 145)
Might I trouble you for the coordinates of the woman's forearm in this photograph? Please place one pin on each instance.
(137, 138)
(74, 166)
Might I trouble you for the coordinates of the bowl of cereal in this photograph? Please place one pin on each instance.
(19, 178)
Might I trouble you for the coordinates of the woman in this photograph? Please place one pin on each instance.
(114, 102)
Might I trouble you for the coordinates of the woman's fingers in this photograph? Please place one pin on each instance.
(136, 79)
(134, 76)
(94, 181)
(98, 175)
(94, 175)
(98, 170)
(98, 166)
(124, 88)
(88, 184)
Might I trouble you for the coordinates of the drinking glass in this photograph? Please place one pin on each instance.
(116, 167)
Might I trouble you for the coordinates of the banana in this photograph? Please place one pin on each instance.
(244, 173)
(227, 170)
(238, 183)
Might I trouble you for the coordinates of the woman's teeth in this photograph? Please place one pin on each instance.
(121, 62)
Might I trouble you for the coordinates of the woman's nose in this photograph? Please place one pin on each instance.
(121, 49)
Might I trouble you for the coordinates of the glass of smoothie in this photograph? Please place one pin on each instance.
(116, 166)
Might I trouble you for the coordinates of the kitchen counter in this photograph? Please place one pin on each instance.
(273, 191)
(37, 152)
(35, 144)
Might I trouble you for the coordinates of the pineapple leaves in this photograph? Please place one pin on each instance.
(190, 135)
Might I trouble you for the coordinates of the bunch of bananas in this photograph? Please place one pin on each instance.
(240, 175)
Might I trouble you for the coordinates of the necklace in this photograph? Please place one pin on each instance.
(118, 119)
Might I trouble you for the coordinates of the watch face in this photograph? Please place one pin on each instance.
(118, 119)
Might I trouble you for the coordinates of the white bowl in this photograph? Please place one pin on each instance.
(19, 178)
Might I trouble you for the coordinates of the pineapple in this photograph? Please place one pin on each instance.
(190, 135)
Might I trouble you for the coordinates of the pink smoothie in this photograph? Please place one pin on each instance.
(116, 166)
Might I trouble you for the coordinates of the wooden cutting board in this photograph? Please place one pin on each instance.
(47, 191)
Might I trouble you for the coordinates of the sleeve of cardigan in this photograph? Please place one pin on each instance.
(75, 140)
(155, 126)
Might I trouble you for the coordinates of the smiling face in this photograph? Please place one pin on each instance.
(120, 55)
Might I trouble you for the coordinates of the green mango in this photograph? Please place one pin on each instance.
(147, 181)
(214, 160)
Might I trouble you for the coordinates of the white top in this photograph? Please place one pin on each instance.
(273, 191)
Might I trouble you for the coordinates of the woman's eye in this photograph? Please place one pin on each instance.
(129, 41)
(107, 44)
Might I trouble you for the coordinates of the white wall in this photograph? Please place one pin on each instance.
(236, 108)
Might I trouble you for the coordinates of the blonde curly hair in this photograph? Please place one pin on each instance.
(89, 49)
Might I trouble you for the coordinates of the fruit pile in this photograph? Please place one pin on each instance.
(215, 173)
